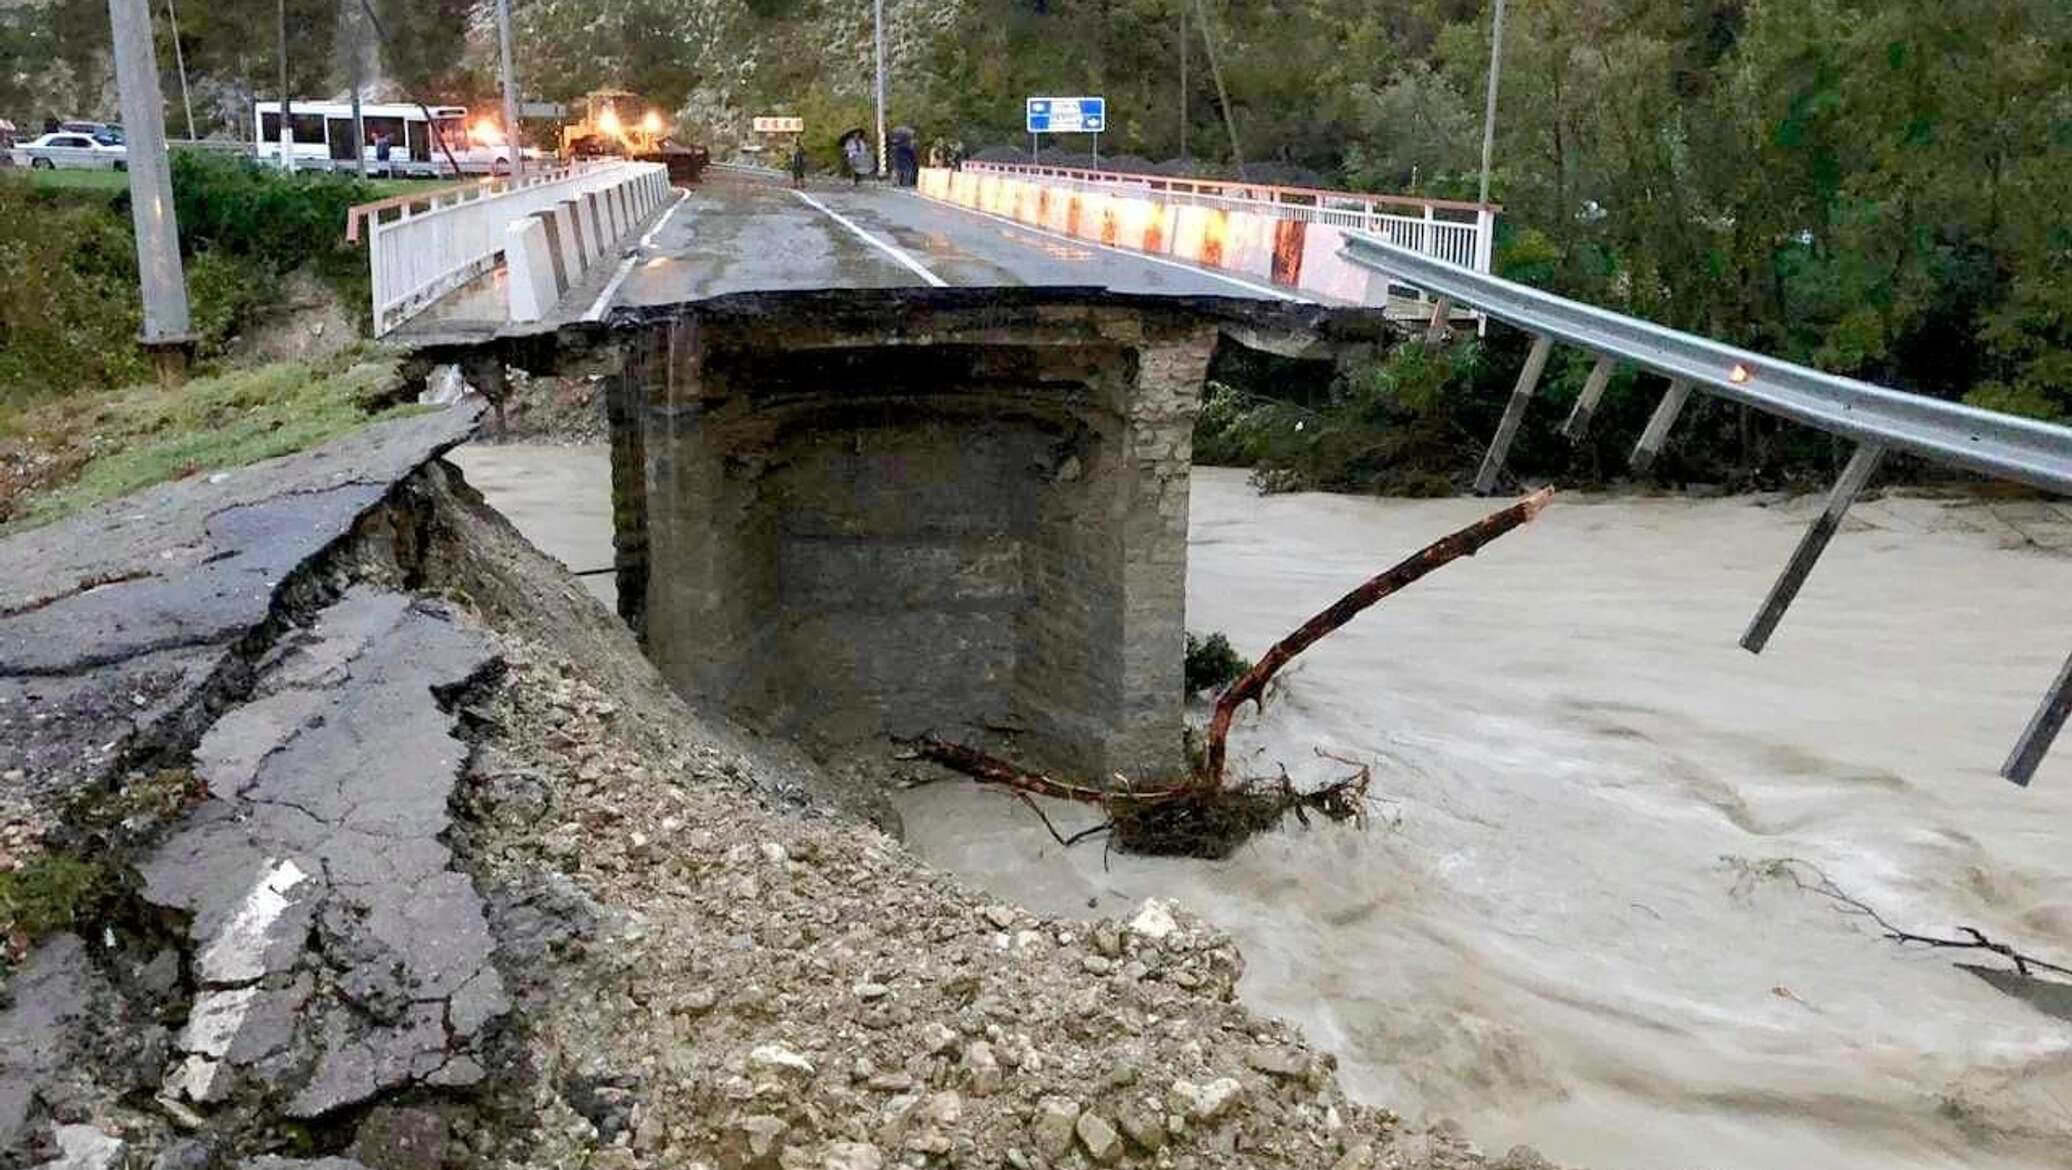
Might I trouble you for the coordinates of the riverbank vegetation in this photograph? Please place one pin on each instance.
(73, 326)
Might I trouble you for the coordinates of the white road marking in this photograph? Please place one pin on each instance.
(911, 263)
(1250, 286)
(238, 952)
(604, 299)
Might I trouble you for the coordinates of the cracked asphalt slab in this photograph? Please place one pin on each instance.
(339, 956)
(115, 621)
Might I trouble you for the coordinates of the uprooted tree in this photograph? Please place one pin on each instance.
(1206, 814)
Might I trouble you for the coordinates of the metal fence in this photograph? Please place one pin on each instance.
(1877, 418)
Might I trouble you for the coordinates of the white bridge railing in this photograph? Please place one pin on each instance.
(421, 247)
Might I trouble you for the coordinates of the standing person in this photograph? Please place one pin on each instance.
(856, 152)
(798, 164)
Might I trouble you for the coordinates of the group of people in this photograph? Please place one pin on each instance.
(903, 162)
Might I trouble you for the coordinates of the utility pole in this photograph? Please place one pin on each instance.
(287, 115)
(1208, 43)
(180, 63)
(357, 46)
(503, 36)
(160, 278)
(1496, 63)
(878, 48)
(1183, 82)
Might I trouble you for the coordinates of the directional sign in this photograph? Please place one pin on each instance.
(775, 125)
(1068, 115)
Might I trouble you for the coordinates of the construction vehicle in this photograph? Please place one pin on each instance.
(616, 122)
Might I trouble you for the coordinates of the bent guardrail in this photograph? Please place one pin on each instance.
(1877, 418)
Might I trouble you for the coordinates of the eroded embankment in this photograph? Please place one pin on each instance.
(448, 877)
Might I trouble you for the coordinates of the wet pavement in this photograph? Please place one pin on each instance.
(738, 235)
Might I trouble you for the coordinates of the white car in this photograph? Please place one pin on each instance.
(68, 148)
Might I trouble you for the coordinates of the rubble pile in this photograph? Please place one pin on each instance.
(735, 986)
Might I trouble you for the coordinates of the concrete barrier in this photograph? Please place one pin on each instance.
(561, 243)
(600, 231)
(531, 286)
(583, 239)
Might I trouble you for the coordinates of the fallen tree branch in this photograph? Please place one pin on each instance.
(1465, 543)
(1189, 821)
(1973, 940)
(993, 770)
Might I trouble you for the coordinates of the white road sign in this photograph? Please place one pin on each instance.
(1068, 115)
(777, 125)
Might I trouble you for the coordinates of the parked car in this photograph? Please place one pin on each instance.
(70, 149)
(101, 132)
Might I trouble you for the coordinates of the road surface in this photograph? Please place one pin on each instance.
(731, 234)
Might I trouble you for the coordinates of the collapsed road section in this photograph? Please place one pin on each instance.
(365, 838)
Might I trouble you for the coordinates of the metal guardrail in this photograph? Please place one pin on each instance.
(1877, 418)
(753, 170)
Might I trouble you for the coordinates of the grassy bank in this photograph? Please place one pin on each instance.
(61, 456)
(243, 229)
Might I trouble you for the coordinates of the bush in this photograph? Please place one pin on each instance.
(69, 313)
(1389, 426)
(233, 208)
(1212, 663)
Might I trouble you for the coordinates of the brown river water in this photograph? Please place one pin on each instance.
(1557, 927)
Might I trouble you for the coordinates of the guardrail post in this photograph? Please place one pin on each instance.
(1586, 405)
(1514, 413)
(1862, 463)
(2036, 738)
(1440, 328)
(1657, 431)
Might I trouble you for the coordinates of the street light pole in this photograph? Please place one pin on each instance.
(160, 278)
(503, 37)
(878, 49)
(1496, 62)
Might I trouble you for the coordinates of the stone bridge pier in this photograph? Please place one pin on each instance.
(862, 516)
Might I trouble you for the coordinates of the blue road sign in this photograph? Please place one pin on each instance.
(1068, 115)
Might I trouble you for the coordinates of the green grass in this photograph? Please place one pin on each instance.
(115, 181)
(106, 445)
(80, 180)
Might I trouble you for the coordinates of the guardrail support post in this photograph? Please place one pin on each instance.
(1657, 431)
(1578, 423)
(1862, 464)
(1514, 413)
(2036, 739)
(1442, 311)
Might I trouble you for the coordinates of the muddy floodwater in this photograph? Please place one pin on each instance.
(1563, 925)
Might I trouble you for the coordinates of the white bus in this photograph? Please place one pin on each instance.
(323, 138)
